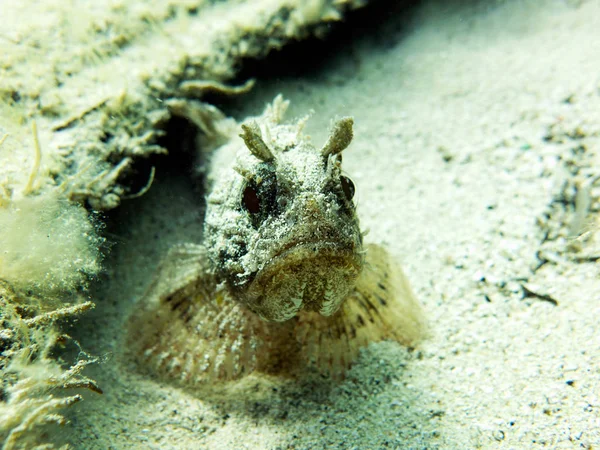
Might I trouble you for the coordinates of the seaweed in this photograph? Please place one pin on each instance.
(49, 251)
(33, 381)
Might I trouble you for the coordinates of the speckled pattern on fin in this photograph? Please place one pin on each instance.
(382, 307)
(187, 331)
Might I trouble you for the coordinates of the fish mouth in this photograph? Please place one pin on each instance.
(299, 249)
(314, 276)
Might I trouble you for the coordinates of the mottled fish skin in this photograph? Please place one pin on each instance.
(281, 227)
(282, 280)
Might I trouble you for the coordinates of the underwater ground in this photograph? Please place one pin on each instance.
(476, 160)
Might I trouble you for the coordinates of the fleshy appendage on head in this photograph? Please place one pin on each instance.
(286, 236)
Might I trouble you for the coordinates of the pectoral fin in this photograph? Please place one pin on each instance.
(185, 330)
(382, 307)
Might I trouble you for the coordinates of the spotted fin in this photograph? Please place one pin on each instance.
(382, 307)
(187, 331)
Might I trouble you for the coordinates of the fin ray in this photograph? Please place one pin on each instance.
(381, 307)
(186, 330)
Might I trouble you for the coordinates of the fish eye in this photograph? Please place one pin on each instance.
(250, 200)
(259, 198)
(347, 187)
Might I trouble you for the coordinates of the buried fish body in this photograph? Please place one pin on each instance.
(282, 278)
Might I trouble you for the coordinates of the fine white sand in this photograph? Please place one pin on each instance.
(466, 134)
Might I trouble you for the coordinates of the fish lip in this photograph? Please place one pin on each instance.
(331, 247)
(350, 250)
(301, 252)
(290, 273)
(318, 246)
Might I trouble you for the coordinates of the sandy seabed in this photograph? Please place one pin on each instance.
(477, 143)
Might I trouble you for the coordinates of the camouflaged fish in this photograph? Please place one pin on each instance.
(283, 280)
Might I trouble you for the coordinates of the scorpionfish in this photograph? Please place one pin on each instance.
(282, 280)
